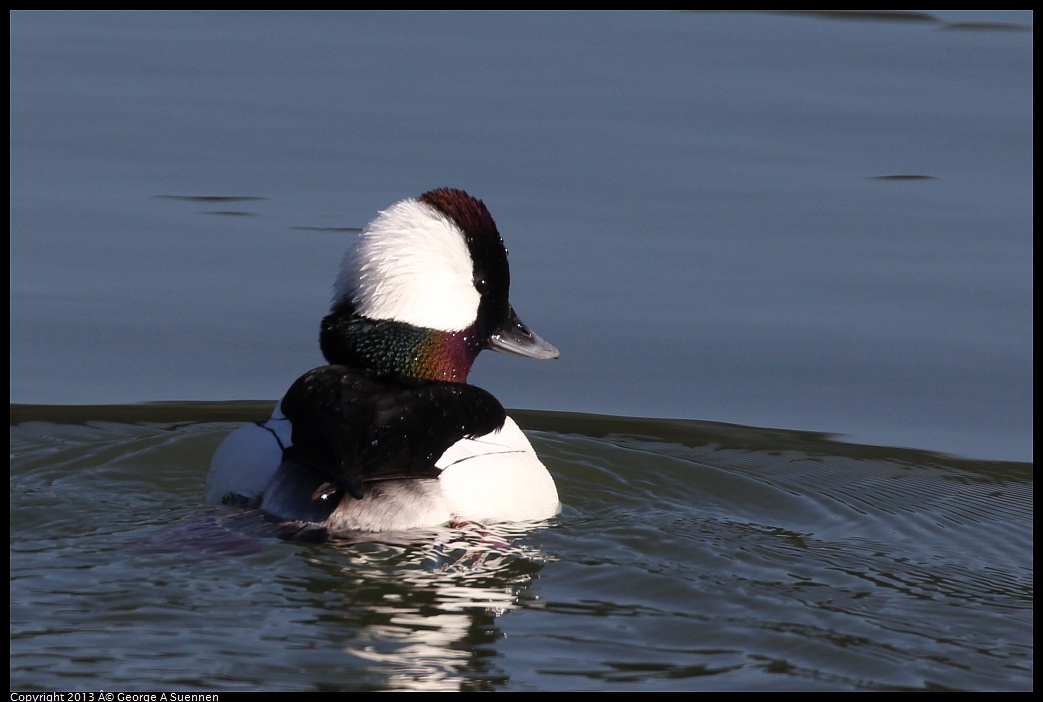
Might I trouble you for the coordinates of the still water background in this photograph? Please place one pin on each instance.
(816, 223)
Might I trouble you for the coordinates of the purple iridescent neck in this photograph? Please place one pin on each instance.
(396, 348)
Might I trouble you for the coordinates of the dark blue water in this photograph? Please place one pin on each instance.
(821, 224)
(699, 206)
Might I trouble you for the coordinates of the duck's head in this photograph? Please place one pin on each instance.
(424, 288)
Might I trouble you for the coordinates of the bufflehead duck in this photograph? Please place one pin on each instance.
(390, 436)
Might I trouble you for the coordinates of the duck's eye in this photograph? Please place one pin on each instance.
(481, 285)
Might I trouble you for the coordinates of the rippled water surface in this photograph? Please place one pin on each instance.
(689, 555)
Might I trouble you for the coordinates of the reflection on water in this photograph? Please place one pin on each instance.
(689, 555)
(435, 625)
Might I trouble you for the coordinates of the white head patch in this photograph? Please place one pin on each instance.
(411, 264)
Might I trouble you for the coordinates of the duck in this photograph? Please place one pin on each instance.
(389, 435)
